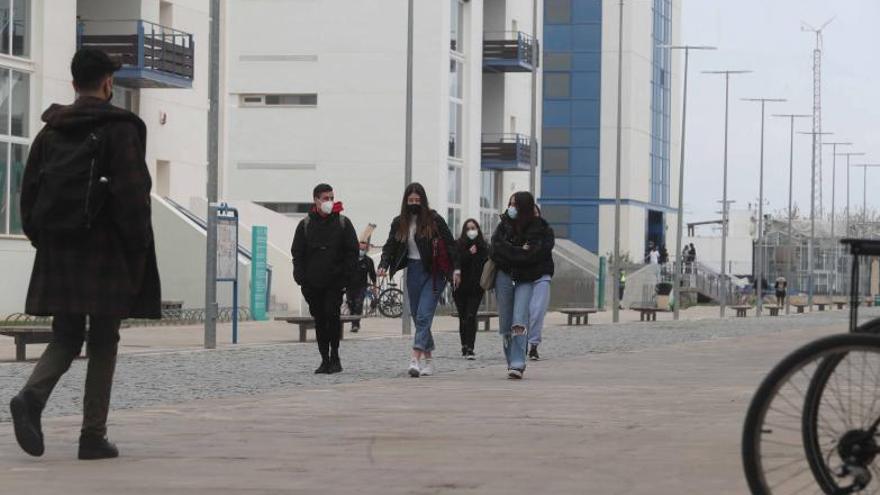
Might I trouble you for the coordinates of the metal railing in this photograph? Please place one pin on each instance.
(506, 151)
(509, 45)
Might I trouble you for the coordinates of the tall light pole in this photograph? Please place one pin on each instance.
(615, 311)
(848, 166)
(724, 203)
(406, 324)
(763, 102)
(811, 262)
(836, 256)
(865, 167)
(533, 142)
(210, 337)
(678, 266)
(789, 270)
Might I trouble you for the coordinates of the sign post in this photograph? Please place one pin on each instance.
(227, 257)
(259, 282)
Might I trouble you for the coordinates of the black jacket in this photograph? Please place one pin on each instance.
(471, 264)
(548, 242)
(523, 265)
(394, 253)
(111, 269)
(325, 253)
(365, 273)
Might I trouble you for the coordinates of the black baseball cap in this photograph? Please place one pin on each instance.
(90, 66)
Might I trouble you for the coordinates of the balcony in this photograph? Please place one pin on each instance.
(508, 52)
(509, 152)
(152, 56)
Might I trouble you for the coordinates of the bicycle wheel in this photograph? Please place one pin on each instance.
(839, 432)
(776, 457)
(391, 303)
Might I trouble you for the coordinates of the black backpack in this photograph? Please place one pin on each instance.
(72, 188)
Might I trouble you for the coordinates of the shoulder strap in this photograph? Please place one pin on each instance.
(307, 219)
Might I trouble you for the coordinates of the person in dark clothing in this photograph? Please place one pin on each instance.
(664, 255)
(781, 287)
(364, 275)
(325, 255)
(541, 289)
(96, 267)
(420, 241)
(517, 252)
(472, 255)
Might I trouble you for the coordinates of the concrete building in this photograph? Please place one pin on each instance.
(580, 122)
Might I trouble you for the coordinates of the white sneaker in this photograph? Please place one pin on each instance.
(414, 369)
(514, 374)
(428, 369)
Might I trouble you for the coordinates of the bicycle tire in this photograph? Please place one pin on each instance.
(391, 303)
(755, 427)
(812, 404)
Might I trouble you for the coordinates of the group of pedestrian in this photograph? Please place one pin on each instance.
(85, 207)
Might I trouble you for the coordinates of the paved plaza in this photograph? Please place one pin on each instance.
(652, 408)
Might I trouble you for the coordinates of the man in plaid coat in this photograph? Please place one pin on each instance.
(101, 274)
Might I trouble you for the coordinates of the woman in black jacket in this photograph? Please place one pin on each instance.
(516, 251)
(541, 288)
(472, 255)
(420, 241)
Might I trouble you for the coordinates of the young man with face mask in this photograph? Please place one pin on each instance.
(365, 274)
(325, 255)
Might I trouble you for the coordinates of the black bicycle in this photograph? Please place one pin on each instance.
(812, 426)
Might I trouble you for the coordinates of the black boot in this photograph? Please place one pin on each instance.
(533, 353)
(26, 418)
(324, 369)
(335, 363)
(92, 448)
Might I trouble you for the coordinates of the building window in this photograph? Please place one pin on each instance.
(14, 142)
(280, 100)
(661, 102)
(456, 105)
(456, 22)
(15, 18)
(557, 11)
(453, 197)
(489, 208)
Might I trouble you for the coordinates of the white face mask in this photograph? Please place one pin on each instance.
(472, 234)
(362, 253)
(327, 207)
(511, 212)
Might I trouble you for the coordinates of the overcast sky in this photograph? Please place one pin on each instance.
(765, 36)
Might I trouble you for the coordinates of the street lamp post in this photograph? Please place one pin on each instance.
(678, 266)
(791, 117)
(406, 323)
(810, 261)
(615, 311)
(760, 276)
(848, 166)
(865, 167)
(724, 208)
(836, 255)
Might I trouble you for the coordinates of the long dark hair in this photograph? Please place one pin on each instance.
(463, 238)
(425, 221)
(525, 208)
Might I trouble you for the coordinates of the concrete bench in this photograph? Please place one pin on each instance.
(799, 306)
(741, 310)
(773, 309)
(821, 303)
(578, 316)
(484, 317)
(307, 323)
(26, 335)
(648, 313)
(840, 302)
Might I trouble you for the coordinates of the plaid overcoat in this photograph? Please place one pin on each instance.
(109, 269)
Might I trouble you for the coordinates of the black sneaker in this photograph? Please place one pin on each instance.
(355, 329)
(470, 355)
(93, 448)
(28, 431)
(464, 351)
(324, 369)
(533, 353)
(335, 365)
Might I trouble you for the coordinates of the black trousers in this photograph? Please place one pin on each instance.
(467, 303)
(324, 307)
(354, 298)
(68, 335)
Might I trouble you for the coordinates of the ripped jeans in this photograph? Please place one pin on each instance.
(513, 311)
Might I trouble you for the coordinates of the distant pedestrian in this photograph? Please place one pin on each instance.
(420, 241)
(692, 254)
(781, 287)
(325, 255)
(541, 291)
(516, 251)
(85, 206)
(654, 256)
(664, 255)
(472, 255)
(364, 275)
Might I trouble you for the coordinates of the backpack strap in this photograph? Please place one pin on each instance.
(308, 218)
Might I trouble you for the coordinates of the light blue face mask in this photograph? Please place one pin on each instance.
(511, 212)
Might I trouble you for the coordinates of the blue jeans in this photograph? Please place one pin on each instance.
(538, 308)
(513, 311)
(423, 296)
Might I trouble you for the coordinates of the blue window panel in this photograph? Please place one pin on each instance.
(587, 37)
(584, 161)
(557, 113)
(585, 84)
(585, 214)
(584, 187)
(556, 186)
(591, 61)
(586, 11)
(557, 38)
(585, 235)
(585, 137)
(585, 113)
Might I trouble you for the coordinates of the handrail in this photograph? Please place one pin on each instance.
(172, 31)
